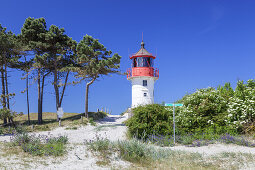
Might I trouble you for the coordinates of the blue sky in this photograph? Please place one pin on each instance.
(198, 44)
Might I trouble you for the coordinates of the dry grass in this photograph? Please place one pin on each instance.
(47, 116)
(192, 161)
(69, 120)
(49, 121)
(13, 157)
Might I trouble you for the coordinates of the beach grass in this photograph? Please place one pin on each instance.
(50, 122)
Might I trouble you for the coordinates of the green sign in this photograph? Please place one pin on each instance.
(173, 104)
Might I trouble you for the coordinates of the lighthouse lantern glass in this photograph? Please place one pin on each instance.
(142, 62)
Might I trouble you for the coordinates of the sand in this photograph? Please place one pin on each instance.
(79, 157)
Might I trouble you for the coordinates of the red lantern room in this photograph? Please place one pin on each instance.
(142, 64)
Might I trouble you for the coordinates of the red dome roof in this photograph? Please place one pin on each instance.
(142, 52)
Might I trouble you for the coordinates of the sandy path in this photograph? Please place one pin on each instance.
(213, 149)
(79, 157)
(110, 127)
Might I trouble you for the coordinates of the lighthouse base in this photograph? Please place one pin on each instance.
(142, 90)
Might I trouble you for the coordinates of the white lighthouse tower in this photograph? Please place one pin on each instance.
(142, 76)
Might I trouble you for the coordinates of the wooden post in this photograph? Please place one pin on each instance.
(59, 122)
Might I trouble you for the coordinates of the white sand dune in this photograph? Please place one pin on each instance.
(79, 157)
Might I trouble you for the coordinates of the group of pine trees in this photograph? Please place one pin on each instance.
(43, 53)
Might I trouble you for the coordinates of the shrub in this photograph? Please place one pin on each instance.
(92, 122)
(204, 109)
(59, 139)
(160, 140)
(227, 138)
(97, 115)
(20, 137)
(130, 150)
(148, 120)
(211, 112)
(7, 114)
(98, 144)
(39, 145)
(134, 150)
(241, 111)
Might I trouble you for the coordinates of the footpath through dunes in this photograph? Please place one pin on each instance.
(78, 155)
(110, 127)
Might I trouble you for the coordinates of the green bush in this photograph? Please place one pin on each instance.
(134, 150)
(129, 150)
(21, 137)
(97, 115)
(99, 144)
(148, 120)
(41, 145)
(205, 109)
(92, 122)
(7, 114)
(241, 110)
(210, 112)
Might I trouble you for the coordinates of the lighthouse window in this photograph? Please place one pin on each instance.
(139, 62)
(144, 94)
(144, 82)
(142, 62)
(134, 62)
(146, 62)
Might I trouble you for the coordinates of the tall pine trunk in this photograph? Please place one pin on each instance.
(63, 90)
(40, 82)
(6, 84)
(57, 94)
(87, 96)
(3, 91)
(7, 91)
(28, 113)
(56, 88)
(42, 88)
(39, 98)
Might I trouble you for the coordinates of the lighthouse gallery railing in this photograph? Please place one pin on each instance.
(142, 71)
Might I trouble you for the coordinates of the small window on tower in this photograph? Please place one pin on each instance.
(144, 82)
(144, 94)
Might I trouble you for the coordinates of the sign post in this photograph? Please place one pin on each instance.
(174, 104)
(60, 113)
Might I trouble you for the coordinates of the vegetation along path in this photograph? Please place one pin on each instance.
(80, 157)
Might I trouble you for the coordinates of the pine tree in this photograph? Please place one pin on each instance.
(60, 49)
(9, 56)
(33, 34)
(93, 61)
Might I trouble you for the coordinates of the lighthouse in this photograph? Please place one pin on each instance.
(142, 75)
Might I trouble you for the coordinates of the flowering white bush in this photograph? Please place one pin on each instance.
(241, 108)
(221, 108)
(202, 109)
